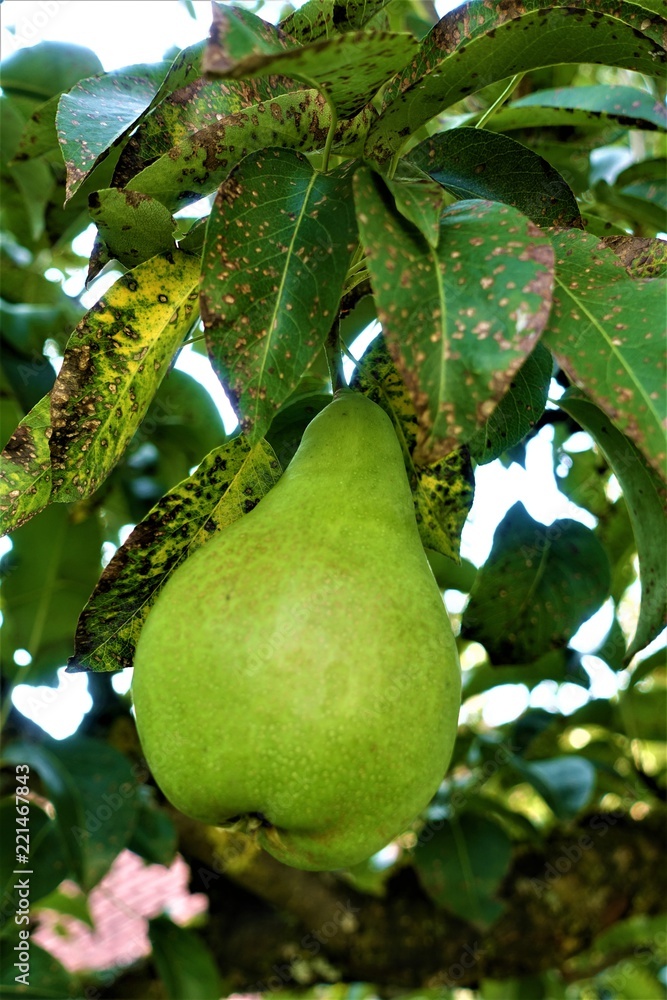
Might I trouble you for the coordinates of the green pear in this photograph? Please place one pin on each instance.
(298, 673)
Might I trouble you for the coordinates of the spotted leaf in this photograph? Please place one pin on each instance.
(108, 107)
(228, 483)
(278, 246)
(459, 320)
(348, 69)
(607, 332)
(442, 491)
(323, 18)
(114, 362)
(480, 43)
(133, 226)
(25, 468)
(197, 164)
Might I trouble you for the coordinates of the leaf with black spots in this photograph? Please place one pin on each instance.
(114, 362)
(442, 491)
(228, 483)
(480, 43)
(25, 468)
(197, 164)
(134, 226)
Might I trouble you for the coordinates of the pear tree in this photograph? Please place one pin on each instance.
(415, 251)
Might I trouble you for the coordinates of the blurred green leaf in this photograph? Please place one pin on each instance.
(47, 578)
(645, 495)
(38, 837)
(46, 978)
(565, 783)
(461, 865)
(154, 837)
(42, 70)
(184, 963)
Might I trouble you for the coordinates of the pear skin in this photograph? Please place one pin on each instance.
(298, 672)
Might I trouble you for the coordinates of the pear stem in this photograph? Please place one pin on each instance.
(335, 358)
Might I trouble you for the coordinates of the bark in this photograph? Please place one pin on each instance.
(273, 926)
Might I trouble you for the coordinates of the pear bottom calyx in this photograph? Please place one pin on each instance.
(298, 672)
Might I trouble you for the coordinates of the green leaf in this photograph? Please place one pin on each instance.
(105, 781)
(46, 979)
(565, 783)
(641, 714)
(42, 70)
(518, 411)
(184, 962)
(558, 665)
(228, 483)
(538, 585)
(237, 34)
(25, 469)
(36, 837)
(479, 43)
(657, 661)
(278, 246)
(69, 904)
(596, 105)
(348, 69)
(134, 226)
(47, 578)
(442, 491)
(197, 164)
(39, 135)
(110, 105)
(459, 321)
(113, 364)
(61, 789)
(607, 332)
(475, 163)
(462, 865)
(419, 199)
(644, 495)
(154, 838)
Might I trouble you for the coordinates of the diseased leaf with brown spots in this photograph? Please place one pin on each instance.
(238, 34)
(323, 18)
(644, 493)
(443, 491)
(110, 105)
(607, 332)
(25, 468)
(133, 226)
(279, 242)
(641, 256)
(228, 483)
(459, 320)
(480, 43)
(349, 69)
(197, 164)
(114, 362)
(538, 585)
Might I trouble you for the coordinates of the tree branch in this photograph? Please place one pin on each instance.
(272, 925)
